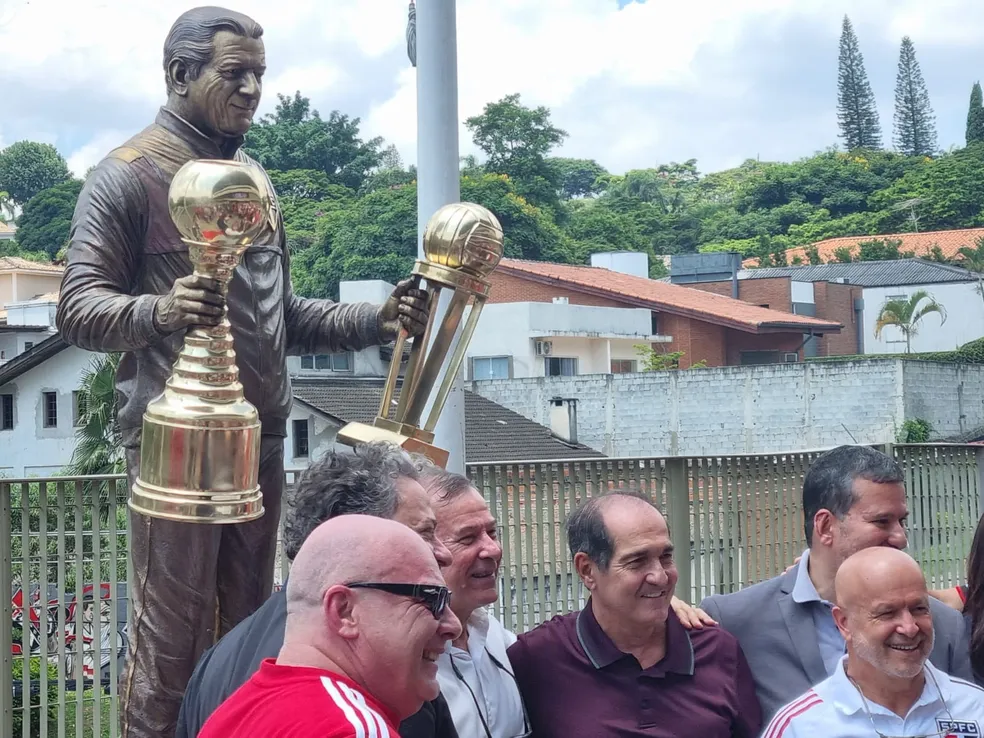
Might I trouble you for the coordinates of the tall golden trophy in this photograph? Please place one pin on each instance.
(200, 448)
(462, 246)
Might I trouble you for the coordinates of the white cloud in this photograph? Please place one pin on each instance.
(632, 87)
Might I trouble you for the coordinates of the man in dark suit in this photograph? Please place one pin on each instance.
(853, 498)
(378, 480)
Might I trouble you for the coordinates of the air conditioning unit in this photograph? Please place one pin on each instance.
(544, 348)
(790, 357)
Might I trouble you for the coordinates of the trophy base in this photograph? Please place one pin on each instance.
(199, 461)
(186, 506)
(354, 434)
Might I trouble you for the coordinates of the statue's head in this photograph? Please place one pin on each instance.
(213, 65)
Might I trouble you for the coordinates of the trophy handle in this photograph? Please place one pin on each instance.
(412, 375)
(456, 359)
(432, 365)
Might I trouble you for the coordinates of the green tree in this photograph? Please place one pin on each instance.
(577, 177)
(915, 124)
(907, 314)
(517, 140)
(296, 137)
(98, 443)
(857, 112)
(28, 167)
(46, 220)
(975, 116)
(949, 189)
(6, 207)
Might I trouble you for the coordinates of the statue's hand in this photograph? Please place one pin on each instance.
(192, 301)
(407, 307)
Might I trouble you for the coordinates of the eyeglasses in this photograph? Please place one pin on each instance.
(433, 596)
(527, 732)
(940, 734)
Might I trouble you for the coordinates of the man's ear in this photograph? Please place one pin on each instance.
(177, 75)
(840, 620)
(586, 569)
(338, 606)
(823, 525)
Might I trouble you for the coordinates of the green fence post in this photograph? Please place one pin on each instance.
(678, 518)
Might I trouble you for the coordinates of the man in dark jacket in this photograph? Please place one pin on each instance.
(378, 480)
(128, 287)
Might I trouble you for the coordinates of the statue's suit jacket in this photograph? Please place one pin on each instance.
(779, 639)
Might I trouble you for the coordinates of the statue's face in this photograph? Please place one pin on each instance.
(227, 91)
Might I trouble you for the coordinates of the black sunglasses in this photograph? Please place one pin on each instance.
(433, 596)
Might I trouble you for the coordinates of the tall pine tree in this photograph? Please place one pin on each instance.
(975, 116)
(857, 113)
(915, 124)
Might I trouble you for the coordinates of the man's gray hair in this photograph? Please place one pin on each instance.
(829, 483)
(445, 486)
(586, 531)
(190, 38)
(362, 482)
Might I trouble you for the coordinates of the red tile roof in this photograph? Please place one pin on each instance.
(920, 243)
(668, 298)
(8, 263)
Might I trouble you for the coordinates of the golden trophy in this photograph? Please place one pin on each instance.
(200, 448)
(462, 246)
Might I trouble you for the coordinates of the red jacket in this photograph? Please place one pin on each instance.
(298, 702)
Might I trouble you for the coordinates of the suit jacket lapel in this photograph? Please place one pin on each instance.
(802, 631)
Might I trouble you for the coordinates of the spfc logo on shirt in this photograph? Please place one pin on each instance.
(958, 728)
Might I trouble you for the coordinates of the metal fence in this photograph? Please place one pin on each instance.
(735, 519)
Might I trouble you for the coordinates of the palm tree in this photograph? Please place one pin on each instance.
(906, 314)
(99, 445)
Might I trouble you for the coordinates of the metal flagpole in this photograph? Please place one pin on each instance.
(433, 48)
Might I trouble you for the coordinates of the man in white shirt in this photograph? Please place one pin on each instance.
(885, 685)
(476, 677)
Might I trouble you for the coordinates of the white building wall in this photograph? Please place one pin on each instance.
(964, 322)
(30, 449)
(592, 335)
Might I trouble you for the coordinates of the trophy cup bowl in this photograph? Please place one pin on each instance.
(463, 244)
(200, 447)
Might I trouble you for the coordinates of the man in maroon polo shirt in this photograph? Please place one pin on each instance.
(625, 665)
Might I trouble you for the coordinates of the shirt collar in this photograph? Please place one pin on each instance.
(203, 146)
(804, 589)
(847, 699)
(602, 652)
(478, 632)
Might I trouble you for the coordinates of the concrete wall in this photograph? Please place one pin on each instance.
(753, 409)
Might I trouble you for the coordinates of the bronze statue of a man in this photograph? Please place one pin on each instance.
(128, 287)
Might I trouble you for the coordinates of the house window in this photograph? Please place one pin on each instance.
(6, 412)
(623, 366)
(50, 409)
(301, 449)
(341, 362)
(749, 358)
(555, 366)
(78, 407)
(655, 317)
(490, 367)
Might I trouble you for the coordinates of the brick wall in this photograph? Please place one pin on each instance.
(775, 293)
(738, 341)
(753, 409)
(836, 302)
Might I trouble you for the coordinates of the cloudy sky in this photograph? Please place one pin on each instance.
(635, 83)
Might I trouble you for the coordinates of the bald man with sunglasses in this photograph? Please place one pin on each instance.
(367, 620)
